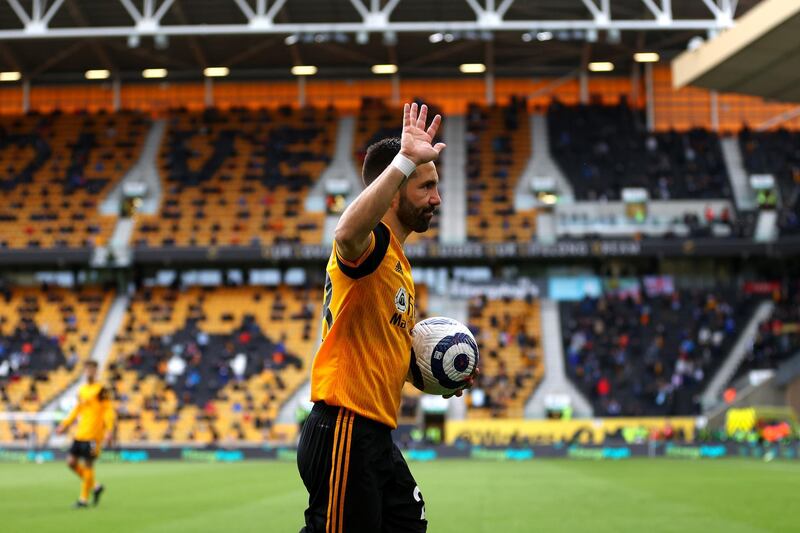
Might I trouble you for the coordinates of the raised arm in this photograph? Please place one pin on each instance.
(360, 218)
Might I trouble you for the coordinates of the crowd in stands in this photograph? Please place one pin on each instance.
(54, 171)
(240, 178)
(211, 365)
(603, 149)
(508, 332)
(639, 353)
(777, 338)
(498, 148)
(45, 334)
(776, 153)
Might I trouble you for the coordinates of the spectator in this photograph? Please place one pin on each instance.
(239, 366)
(175, 368)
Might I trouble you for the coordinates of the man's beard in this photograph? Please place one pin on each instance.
(414, 218)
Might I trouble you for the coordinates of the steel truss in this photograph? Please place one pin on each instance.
(261, 19)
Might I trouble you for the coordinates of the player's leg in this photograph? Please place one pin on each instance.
(97, 487)
(366, 475)
(88, 478)
(333, 459)
(403, 506)
(315, 458)
(73, 463)
(77, 452)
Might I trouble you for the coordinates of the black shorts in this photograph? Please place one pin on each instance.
(357, 479)
(84, 448)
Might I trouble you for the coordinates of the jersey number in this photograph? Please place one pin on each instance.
(418, 499)
(326, 306)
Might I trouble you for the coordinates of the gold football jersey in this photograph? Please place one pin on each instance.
(368, 313)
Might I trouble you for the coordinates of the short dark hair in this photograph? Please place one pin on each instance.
(379, 156)
(91, 362)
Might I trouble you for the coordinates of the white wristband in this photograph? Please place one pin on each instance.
(404, 164)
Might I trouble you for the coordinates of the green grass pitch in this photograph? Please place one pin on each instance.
(462, 497)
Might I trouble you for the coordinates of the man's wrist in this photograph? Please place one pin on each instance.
(405, 163)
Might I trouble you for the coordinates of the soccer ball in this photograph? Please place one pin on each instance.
(444, 355)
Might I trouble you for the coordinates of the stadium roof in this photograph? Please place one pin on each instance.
(57, 40)
(760, 55)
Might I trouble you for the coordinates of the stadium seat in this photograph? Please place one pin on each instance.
(603, 149)
(508, 332)
(275, 330)
(498, 148)
(56, 168)
(239, 178)
(46, 333)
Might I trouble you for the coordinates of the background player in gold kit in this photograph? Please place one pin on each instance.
(95, 415)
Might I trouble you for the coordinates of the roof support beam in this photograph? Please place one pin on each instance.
(36, 14)
(249, 52)
(489, 16)
(276, 6)
(504, 7)
(163, 9)
(246, 9)
(20, 11)
(132, 11)
(352, 27)
(57, 58)
(194, 44)
(362, 10)
(601, 14)
(77, 15)
(389, 7)
(476, 7)
(51, 12)
(40, 16)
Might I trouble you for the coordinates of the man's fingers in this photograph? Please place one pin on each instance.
(423, 117)
(406, 115)
(413, 116)
(439, 147)
(434, 127)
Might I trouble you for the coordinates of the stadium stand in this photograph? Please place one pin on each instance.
(603, 149)
(776, 153)
(240, 177)
(640, 355)
(55, 170)
(211, 365)
(508, 332)
(498, 147)
(376, 121)
(777, 338)
(46, 333)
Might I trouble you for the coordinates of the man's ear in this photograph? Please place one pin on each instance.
(395, 200)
